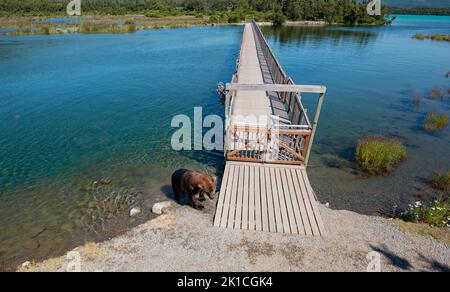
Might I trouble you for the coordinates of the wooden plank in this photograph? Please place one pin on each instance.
(232, 207)
(277, 87)
(314, 204)
(220, 203)
(294, 202)
(282, 201)
(276, 202)
(309, 210)
(245, 198)
(300, 201)
(258, 198)
(227, 198)
(287, 197)
(270, 205)
(251, 199)
(239, 196)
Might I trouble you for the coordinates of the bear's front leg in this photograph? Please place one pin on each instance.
(195, 203)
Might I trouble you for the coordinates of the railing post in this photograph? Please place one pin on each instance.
(314, 129)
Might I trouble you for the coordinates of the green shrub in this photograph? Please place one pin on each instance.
(278, 18)
(153, 14)
(378, 155)
(434, 122)
(441, 180)
(45, 30)
(437, 214)
(214, 18)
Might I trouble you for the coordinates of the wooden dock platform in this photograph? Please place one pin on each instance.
(270, 198)
(268, 140)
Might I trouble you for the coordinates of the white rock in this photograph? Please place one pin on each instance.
(26, 264)
(327, 205)
(158, 208)
(135, 211)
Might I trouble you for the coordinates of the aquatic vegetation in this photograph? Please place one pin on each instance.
(436, 214)
(416, 101)
(436, 93)
(98, 25)
(433, 37)
(105, 201)
(440, 180)
(377, 155)
(419, 36)
(434, 122)
(336, 161)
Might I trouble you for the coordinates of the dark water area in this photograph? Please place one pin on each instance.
(85, 121)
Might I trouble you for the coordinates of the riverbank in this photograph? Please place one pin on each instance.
(184, 240)
(95, 24)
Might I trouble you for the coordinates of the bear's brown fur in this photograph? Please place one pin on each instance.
(190, 184)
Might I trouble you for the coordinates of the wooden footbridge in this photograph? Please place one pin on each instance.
(268, 141)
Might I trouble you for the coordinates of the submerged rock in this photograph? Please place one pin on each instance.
(159, 208)
(135, 211)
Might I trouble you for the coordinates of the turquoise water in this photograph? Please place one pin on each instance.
(85, 120)
(79, 110)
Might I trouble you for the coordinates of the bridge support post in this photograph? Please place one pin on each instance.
(314, 126)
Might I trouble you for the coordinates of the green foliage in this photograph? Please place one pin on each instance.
(377, 155)
(437, 214)
(441, 181)
(434, 122)
(333, 11)
(277, 17)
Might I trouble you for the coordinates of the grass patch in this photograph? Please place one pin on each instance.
(436, 214)
(434, 122)
(441, 234)
(377, 155)
(433, 37)
(440, 181)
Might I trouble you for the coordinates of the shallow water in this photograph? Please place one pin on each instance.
(85, 120)
(78, 108)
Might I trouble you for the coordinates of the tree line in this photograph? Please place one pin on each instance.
(332, 11)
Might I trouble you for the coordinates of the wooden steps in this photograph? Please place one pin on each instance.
(268, 198)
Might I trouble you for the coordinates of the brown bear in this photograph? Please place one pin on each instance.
(190, 184)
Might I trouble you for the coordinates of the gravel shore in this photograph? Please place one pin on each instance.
(184, 240)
